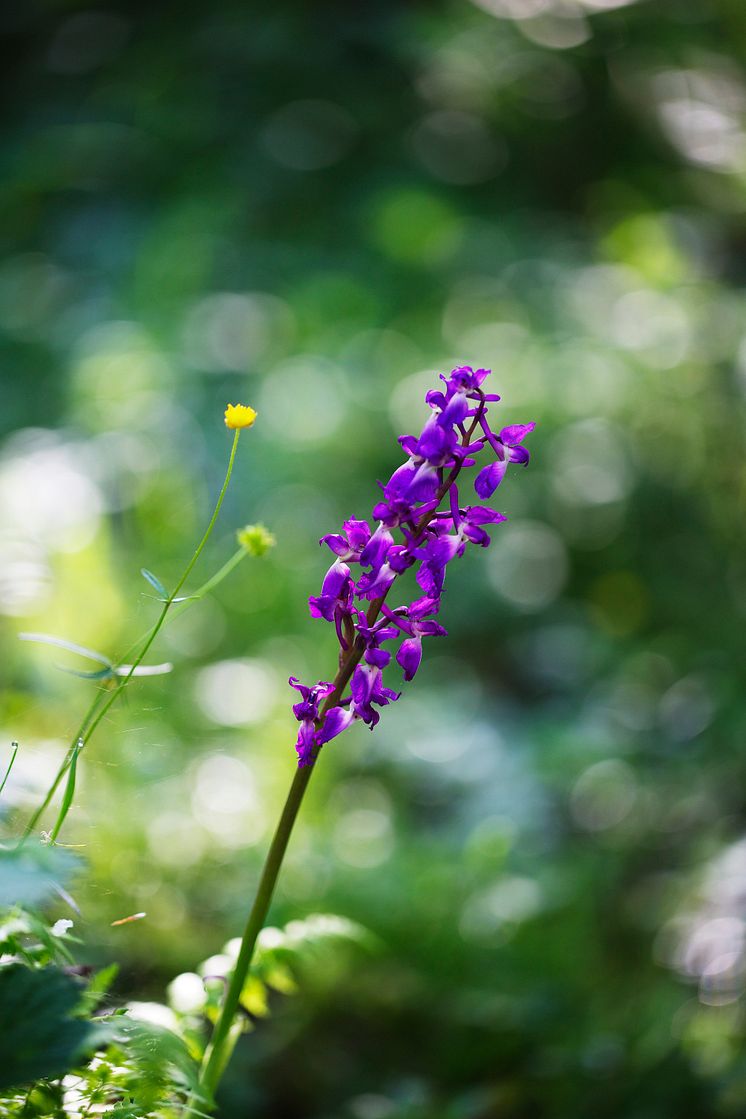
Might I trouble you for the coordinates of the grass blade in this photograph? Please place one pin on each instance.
(69, 792)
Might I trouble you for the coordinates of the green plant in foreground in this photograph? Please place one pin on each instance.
(127, 1066)
(253, 540)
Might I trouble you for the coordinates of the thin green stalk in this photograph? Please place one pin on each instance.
(215, 1056)
(200, 547)
(14, 746)
(103, 703)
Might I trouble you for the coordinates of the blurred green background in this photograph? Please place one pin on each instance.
(315, 209)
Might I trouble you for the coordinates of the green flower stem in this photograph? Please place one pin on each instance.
(103, 702)
(216, 1055)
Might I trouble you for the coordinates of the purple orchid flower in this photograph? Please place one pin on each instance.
(440, 549)
(377, 582)
(508, 448)
(367, 688)
(373, 637)
(410, 621)
(350, 546)
(334, 604)
(306, 712)
(431, 540)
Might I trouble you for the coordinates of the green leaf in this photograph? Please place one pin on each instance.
(30, 874)
(39, 1035)
(69, 793)
(62, 643)
(161, 1058)
(98, 987)
(103, 674)
(155, 583)
(254, 997)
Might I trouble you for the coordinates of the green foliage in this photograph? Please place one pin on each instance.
(143, 1059)
(30, 874)
(40, 1037)
(155, 583)
(281, 955)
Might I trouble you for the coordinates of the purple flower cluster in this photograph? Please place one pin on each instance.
(455, 433)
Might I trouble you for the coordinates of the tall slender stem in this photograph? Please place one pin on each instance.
(101, 706)
(214, 1062)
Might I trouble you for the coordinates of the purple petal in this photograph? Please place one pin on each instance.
(305, 743)
(477, 536)
(431, 629)
(519, 454)
(409, 656)
(442, 550)
(422, 606)
(336, 580)
(455, 411)
(424, 483)
(400, 558)
(362, 685)
(337, 543)
(400, 481)
(379, 658)
(489, 478)
(376, 583)
(337, 720)
(384, 696)
(433, 441)
(358, 533)
(483, 515)
(375, 550)
(322, 606)
(408, 443)
(431, 579)
(516, 433)
(386, 633)
(294, 682)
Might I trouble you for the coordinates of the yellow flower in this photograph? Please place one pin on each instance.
(239, 415)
